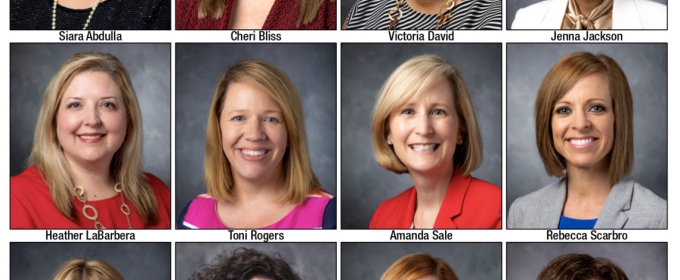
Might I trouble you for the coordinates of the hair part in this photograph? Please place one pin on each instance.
(245, 263)
(413, 266)
(409, 80)
(559, 80)
(81, 269)
(216, 8)
(299, 178)
(126, 165)
(581, 267)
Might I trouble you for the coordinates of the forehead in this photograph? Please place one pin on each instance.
(91, 84)
(244, 96)
(589, 87)
(436, 90)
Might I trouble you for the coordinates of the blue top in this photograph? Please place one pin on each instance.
(569, 223)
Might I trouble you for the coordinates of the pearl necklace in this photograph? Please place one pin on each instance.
(54, 15)
(80, 194)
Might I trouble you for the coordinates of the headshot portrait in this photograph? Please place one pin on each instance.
(422, 15)
(90, 15)
(421, 136)
(270, 14)
(587, 14)
(416, 261)
(90, 261)
(256, 136)
(90, 136)
(587, 145)
(569, 261)
(271, 261)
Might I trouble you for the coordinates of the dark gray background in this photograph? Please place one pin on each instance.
(311, 260)
(365, 67)
(479, 261)
(198, 67)
(514, 5)
(132, 260)
(645, 66)
(640, 261)
(33, 65)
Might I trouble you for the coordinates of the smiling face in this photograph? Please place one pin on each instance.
(425, 131)
(254, 135)
(583, 123)
(91, 119)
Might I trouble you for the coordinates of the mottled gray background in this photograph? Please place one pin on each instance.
(33, 65)
(198, 67)
(143, 261)
(365, 67)
(479, 261)
(645, 66)
(514, 5)
(640, 261)
(311, 260)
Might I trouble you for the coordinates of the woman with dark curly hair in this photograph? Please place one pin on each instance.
(581, 266)
(245, 263)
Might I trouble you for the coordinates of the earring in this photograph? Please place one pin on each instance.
(460, 142)
(389, 142)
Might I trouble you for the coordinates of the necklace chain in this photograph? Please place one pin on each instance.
(443, 14)
(80, 195)
(87, 23)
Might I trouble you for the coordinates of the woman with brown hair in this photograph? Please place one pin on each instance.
(419, 266)
(581, 267)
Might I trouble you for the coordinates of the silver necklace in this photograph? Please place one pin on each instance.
(54, 15)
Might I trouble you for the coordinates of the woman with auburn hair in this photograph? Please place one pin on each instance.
(581, 266)
(85, 165)
(248, 264)
(257, 168)
(269, 14)
(424, 124)
(81, 269)
(584, 134)
(419, 266)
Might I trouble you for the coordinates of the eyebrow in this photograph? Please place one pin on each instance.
(587, 101)
(103, 98)
(243, 111)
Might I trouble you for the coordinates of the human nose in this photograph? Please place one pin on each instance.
(92, 117)
(254, 130)
(423, 124)
(581, 120)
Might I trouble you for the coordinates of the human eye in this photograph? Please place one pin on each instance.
(238, 118)
(407, 111)
(271, 120)
(438, 112)
(109, 105)
(597, 108)
(73, 105)
(562, 110)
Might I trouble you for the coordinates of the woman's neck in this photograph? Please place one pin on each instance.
(431, 190)
(96, 180)
(428, 6)
(267, 190)
(587, 6)
(587, 191)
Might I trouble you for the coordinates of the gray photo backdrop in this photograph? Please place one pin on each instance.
(514, 5)
(365, 67)
(134, 261)
(33, 65)
(311, 260)
(198, 67)
(645, 66)
(479, 261)
(640, 261)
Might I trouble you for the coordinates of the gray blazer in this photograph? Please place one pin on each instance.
(629, 205)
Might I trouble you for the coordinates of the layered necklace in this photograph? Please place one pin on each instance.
(445, 12)
(54, 14)
(80, 194)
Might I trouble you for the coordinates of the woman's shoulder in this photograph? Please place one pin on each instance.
(535, 199)
(362, 11)
(27, 181)
(652, 208)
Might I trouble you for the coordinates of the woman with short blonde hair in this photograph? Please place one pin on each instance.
(81, 269)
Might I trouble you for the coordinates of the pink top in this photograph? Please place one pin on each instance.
(202, 213)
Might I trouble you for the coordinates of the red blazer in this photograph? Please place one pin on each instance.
(469, 203)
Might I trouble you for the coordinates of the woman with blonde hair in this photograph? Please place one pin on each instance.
(81, 269)
(424, 124)
(257, 168)
(85, 165)
(419, 266)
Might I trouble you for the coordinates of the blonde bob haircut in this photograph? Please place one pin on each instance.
(81, 269)
(299, 178)
(216, 8)
(126, 165)
(414, 266)
(406, 82)
(559, 80)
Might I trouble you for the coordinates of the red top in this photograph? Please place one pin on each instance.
(469, 203)
(282, 16)
(31, 206)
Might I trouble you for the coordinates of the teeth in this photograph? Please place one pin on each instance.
(424, 148)
(581, 141)
(90, 137)
(253, 153)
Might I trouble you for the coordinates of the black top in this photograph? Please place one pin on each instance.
(110, 15)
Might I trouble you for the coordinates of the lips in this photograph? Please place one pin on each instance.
(251, 154)
(91, 137)
(581, 142)
(424, 147)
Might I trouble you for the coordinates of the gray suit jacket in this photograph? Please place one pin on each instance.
(629, 205)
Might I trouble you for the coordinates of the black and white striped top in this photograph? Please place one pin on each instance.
(468, 14)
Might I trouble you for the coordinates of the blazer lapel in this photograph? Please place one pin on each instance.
(555, 14)
(613, 213)
(407, 212)
(625, 15)
(553, 202)
(452, 206)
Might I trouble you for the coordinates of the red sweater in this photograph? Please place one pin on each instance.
(282, 16)
(31, 206)
(469, 203)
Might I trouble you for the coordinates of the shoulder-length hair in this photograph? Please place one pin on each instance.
(407, 81)
(81, 269)
(299, 178)
(126, 165)
(414, 266)
(215, 9)
(245, 263)
(581, 266)
(559, 80)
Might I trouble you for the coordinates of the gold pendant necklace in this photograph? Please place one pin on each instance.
(80, 195)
